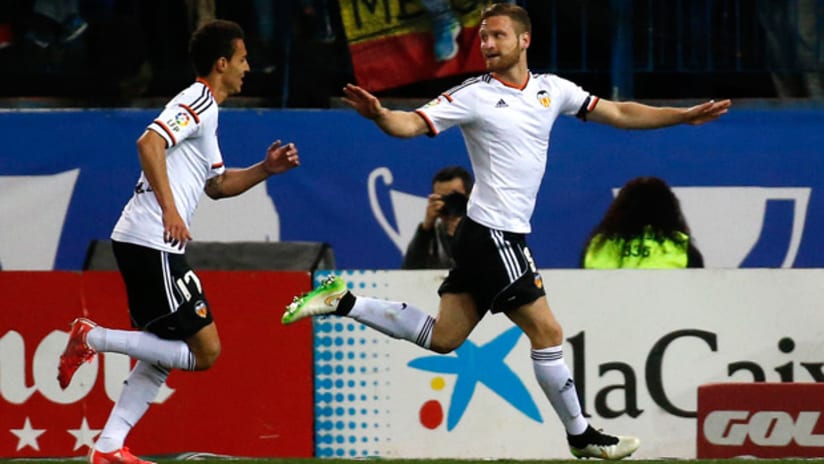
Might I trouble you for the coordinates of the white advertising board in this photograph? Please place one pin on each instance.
(639, 343)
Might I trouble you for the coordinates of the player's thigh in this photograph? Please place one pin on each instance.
(538, 322)
(457, 317)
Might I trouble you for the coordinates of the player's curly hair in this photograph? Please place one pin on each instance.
(212, 41)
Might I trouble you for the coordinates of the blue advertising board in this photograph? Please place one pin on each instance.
(750, 184)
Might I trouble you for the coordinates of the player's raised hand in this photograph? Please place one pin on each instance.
(281, 158)
(366, 104)
(706, 112)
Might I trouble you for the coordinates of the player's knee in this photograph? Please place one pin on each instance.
(548, 337)
(206, 358)
(554, 334)
(441, 349)
(445, 346)
(446, 339)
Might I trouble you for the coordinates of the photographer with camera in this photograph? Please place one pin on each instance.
(431, 247)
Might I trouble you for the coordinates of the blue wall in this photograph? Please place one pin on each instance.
(326, 198)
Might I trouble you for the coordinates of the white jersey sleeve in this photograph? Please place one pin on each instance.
(575, 101)
(448, 110)
(188, 124)
(176, 123)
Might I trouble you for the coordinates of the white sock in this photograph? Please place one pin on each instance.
(145, 346)
(139, 389)
(396, 319)
(555, 379)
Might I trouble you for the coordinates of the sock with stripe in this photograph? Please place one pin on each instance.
(556, 381)
(139, 390)
(396, 319)
(145, 346)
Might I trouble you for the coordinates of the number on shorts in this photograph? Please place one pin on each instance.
(188, 278)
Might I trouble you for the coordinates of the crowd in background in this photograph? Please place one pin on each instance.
(114, 52)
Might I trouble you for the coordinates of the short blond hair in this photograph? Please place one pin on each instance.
(517, 14)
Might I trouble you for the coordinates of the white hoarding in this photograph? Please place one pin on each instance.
(639, 343)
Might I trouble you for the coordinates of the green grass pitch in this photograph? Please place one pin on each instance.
(211, 460)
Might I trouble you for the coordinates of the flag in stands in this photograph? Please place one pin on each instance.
(396, 42)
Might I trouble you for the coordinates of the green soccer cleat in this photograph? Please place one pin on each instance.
(322, 300)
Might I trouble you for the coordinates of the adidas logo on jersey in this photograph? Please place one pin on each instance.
(501, 104)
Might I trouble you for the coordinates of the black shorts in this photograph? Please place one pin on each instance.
(165, 295)
(493, 266)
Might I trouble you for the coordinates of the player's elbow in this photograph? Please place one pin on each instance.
(401, 134)
(213, 194)
(213, 188)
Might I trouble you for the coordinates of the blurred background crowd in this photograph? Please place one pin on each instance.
(127, 52)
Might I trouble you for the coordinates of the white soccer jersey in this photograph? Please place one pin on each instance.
(188, 123)
(506, 131)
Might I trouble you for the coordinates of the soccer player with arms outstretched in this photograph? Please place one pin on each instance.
(506, 117)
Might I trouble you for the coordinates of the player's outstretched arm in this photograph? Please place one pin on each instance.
(395, 123)
(279, 158)
(633, 115)
(706, 112)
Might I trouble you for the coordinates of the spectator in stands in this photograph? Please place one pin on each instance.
(200, 12)
(56, 20)
(643, 228)
(795, 46)
(431, 247)
(446, 26)
(506, 117)
(166, 300)
(6, 35)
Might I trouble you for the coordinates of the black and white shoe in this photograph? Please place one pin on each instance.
(596, 444)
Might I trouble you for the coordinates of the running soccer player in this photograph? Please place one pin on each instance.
(180, 158)
(506, 117)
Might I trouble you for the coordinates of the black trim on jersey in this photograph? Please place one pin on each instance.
(170, 138)
(190, 111)
(467, 83)
(205, 98)
(583, 111)
(208, 104)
